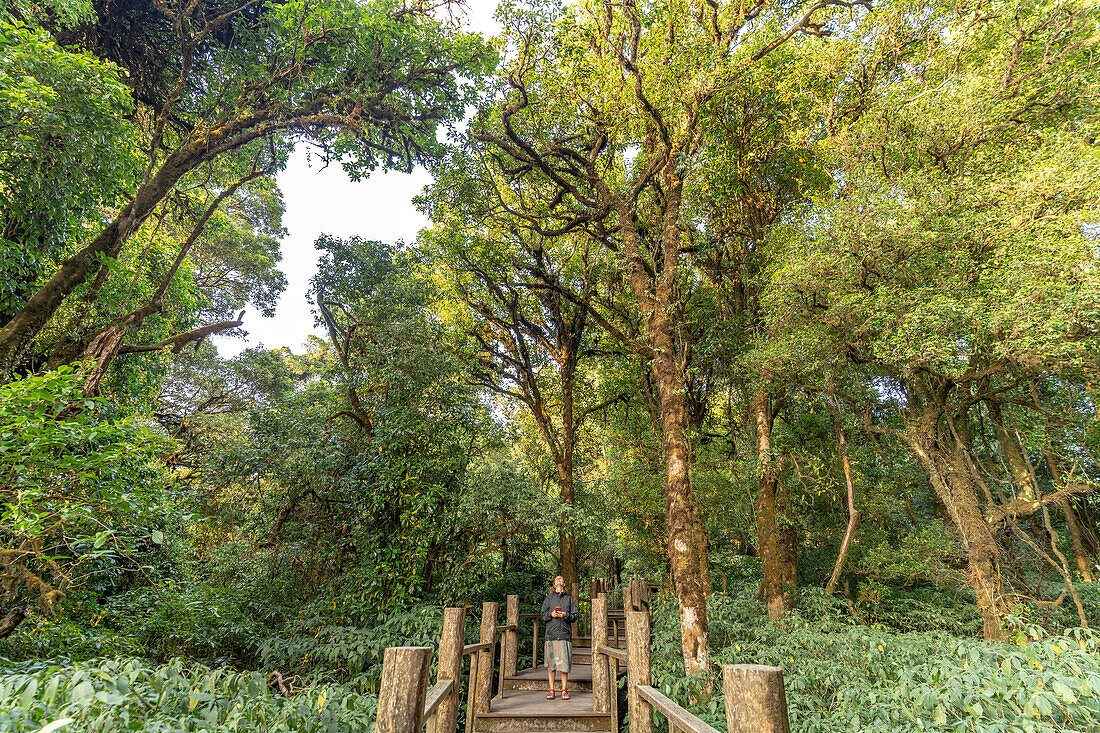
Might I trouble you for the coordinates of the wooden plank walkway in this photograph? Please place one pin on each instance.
(528, 710)
(580, 679)
(521, 706)
(524, 706)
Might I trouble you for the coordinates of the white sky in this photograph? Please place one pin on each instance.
(325, 201)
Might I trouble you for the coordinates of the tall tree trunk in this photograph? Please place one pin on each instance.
(773, 558)
(567, 544)
(941, 454)
(658, 301)
(687, 543)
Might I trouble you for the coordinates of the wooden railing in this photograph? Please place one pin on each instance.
(754, 697)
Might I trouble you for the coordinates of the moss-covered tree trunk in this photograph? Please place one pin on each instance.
(942, 450)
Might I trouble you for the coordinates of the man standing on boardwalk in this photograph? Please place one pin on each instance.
(559, 611)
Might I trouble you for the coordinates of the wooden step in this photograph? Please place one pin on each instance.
(580, 679)
(529, 710)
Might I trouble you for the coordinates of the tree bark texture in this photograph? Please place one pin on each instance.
(12, 619)
(942, 452)
(778, 558)
(687, 542)
(1015, 461)
(17, 336)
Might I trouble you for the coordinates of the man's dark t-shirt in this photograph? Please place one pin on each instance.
(557, 629)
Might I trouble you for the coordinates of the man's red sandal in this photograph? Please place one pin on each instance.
(550, 695)
(564, 695)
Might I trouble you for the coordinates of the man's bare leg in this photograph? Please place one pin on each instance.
(550, 674)
(564, 680)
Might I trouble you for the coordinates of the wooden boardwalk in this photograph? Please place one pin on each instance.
(753, 694)
(521, 703)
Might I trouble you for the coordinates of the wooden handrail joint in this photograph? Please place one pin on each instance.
(435, 696)
(620, 654)
(675, 714)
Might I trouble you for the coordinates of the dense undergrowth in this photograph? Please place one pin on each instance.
(128, 694)
(843, 672)
(842, 675)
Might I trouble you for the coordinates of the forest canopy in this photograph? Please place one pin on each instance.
(792, 309)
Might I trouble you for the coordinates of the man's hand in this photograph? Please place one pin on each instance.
(558, 614)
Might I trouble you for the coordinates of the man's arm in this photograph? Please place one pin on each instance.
(545, 612)
(574, 612)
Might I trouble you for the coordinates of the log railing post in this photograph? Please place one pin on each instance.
(535, 643)
(576, 593)
(471, 692)
(755, 699)
(601, 689)
(403, 689)
(511, 636)
(638, 671)
(485, 657)
(635, 596)
(451, 642)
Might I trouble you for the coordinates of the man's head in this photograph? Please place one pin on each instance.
(559, 584)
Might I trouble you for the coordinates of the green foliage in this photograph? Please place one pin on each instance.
(194, 621)
(347, 653)
(126, 694)
(842, 677)
(63, 152)
(83, 499)
(67, 639)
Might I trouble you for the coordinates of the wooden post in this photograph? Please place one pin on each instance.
(450, 666)
(601, 689)
(576, 593)
(485, 657)
(403, 689)
(471, 693)
(511, 637)
(755, 699)
(613, 677)
(593, 591)
(635, 603)
(535, 644)
(638, 671)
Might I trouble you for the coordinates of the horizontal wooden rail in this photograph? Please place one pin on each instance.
(530, 615)
(611, 651)
(475, 648)
(507, 627)
(678, 718)
(435, 696)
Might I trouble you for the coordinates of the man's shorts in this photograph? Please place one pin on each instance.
(558, 655)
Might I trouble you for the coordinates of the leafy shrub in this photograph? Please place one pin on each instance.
(197, 621)
(124, 694)
(66, 641)
(349, 653)
(110, 522)
(843, 677)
